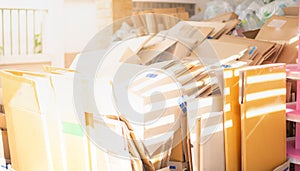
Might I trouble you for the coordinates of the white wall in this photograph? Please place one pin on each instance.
(79, 24)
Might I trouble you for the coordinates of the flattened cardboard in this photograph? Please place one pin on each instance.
(164, 10)
(152, 52)
(232, 120)
(284, 167)
(36, 114)
(100, 128)
(206, 30)
(291, 11)
(218, 26)
(224, 17)
(289, 54)
(2, 121)
(211, 131)
(130, 57)
(181, 51)
(230, 25)
(251, 34)
(228, 51)
(263, 112)
(183, 15)
(73, 136)
(262, 47)
(278, 29)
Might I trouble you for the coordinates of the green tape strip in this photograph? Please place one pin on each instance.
(72, 129)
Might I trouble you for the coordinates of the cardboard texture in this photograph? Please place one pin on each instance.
(74, 138)
(105, 131)
(262, 47)
(130, 57)
(218, 27)
(291, 11)
(121, 9)
(279, 28)
(230, 25)
(150, 53)
(2, 121)
(228, 51)
(282, 29)
(210, 111)
(224, 17)
(289, 54)
(37, 115)
(262, 99)
(232, 120)
(172, 12)
(284, 167)
(5, 144)
(206, 31)
(88, 152)
(251, 34)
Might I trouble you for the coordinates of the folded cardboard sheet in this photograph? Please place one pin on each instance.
(283, 30)
(31, 111)
(232, 119)
(263, 116)
(263, 48)
(206, 116)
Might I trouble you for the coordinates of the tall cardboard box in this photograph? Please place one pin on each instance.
(75, 141)
(232, 120)
(208, 150)
(32, 123)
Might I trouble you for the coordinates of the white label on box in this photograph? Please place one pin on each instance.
(277, 23)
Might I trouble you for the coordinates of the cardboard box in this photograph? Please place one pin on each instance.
(37, 115)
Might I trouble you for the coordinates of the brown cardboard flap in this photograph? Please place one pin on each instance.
(2, 121)
(148, 54)
(229, 51)
(130, 57)
(291, 11)
(230, 25)
(232, 120)
(278, 29)
(263, 113)
(206, 30)
(224, 17)
(262, 47)
(289, 54)
(218, 26)
(251, 34)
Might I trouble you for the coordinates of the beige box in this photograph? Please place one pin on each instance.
(30, 112)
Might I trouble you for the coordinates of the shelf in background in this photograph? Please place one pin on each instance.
(291, 113)
(292, 153)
